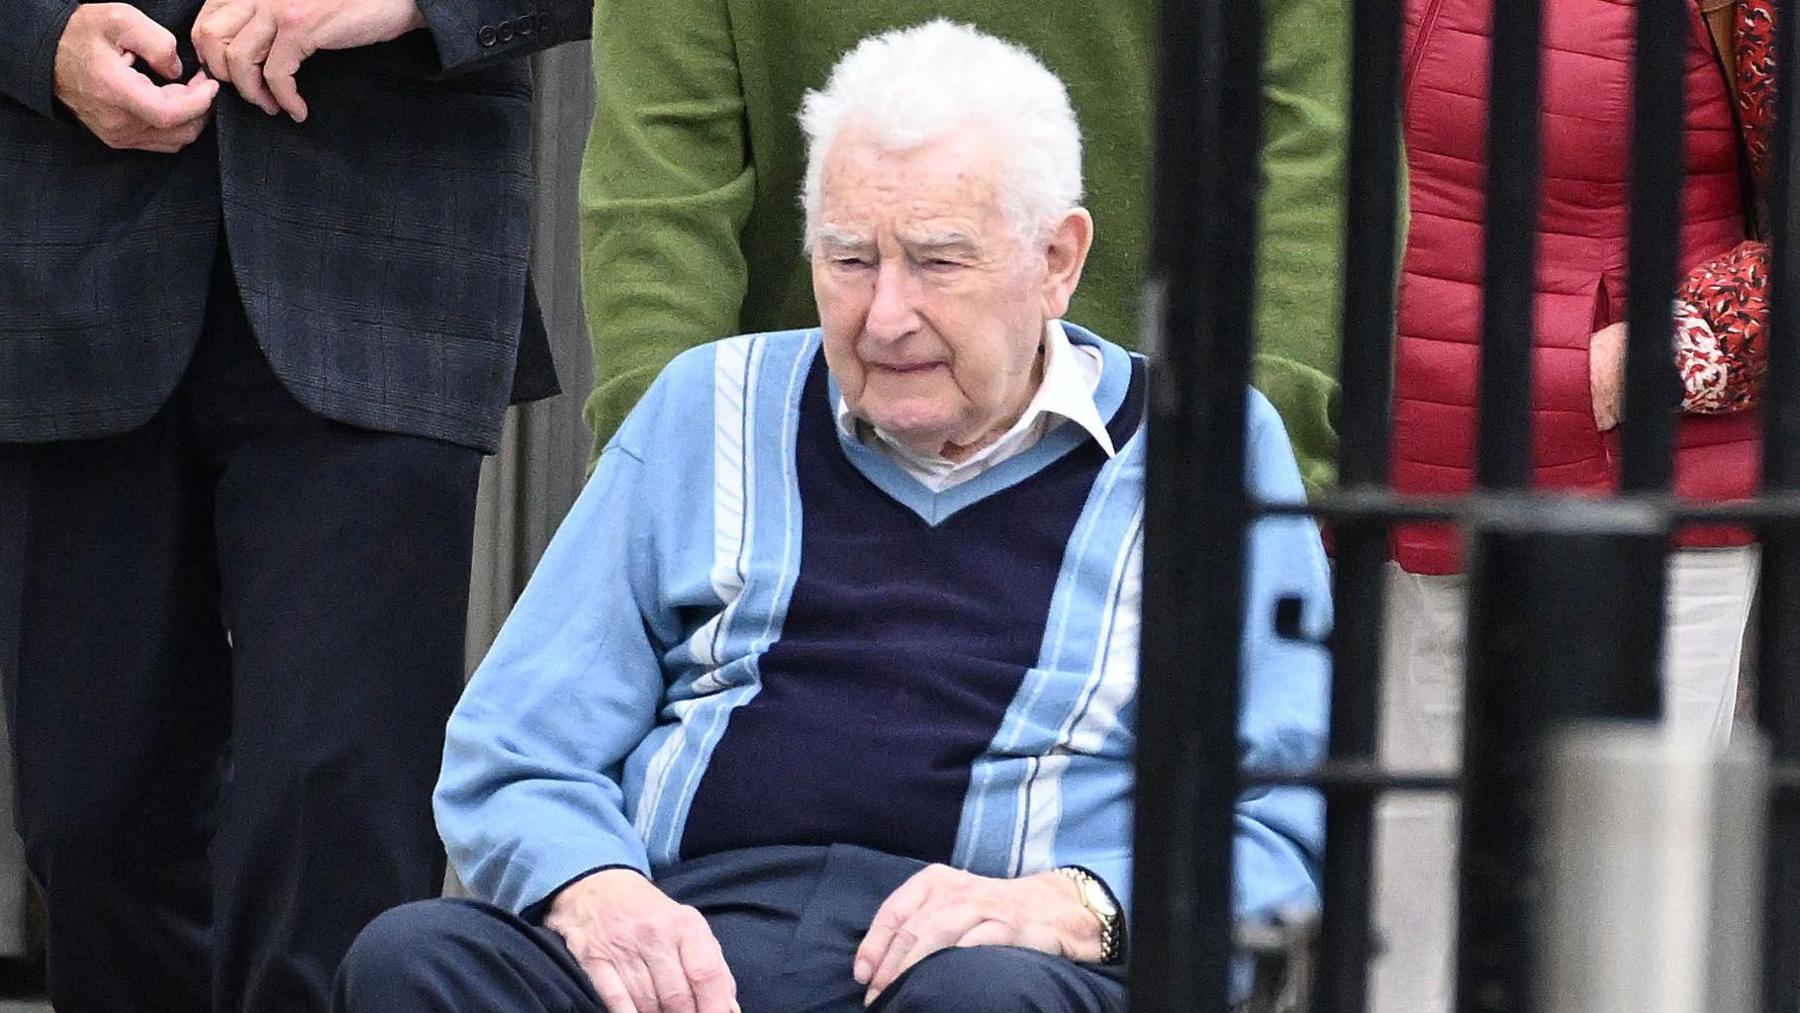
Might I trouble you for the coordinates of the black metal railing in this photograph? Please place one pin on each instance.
(1203, 246)
(1537, 562)
(1778, 652)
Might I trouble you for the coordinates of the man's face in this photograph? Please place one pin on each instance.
(932, 305)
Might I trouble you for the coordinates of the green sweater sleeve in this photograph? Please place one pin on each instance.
(1300, 249)
(666, 185)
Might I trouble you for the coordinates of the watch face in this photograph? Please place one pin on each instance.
(1099, 899)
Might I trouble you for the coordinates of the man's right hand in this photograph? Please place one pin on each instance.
(96, 78)
(644, 952)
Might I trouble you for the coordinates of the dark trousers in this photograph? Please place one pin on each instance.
(230, 640)
(789, 920)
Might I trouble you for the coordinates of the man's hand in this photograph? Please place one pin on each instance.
(233, 38)
(644, 952)
(97, 79)
(259, 45)
(1606, 374)
(307, 26)
(941, 907)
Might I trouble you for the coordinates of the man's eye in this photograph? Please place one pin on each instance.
(941, 264)
(850, 261)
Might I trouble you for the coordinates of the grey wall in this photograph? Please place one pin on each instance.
(529, 485)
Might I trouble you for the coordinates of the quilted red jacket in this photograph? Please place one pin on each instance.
(1581, 269)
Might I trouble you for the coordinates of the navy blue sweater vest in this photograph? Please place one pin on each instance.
(903, 647)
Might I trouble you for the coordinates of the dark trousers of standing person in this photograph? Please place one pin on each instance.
(230, 640)
(789, 920)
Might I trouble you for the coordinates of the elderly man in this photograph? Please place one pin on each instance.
(825, 694)
(687, 189)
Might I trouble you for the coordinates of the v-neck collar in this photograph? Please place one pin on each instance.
(936, 507)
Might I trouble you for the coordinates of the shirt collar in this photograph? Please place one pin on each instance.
(1071, 376)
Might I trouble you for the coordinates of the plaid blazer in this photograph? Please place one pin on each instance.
(380, 247)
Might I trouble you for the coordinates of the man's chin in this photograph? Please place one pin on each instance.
(921, 436)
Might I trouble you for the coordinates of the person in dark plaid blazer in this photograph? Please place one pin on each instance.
(250, 359)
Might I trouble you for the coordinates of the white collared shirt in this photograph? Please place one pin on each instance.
(1064, 394)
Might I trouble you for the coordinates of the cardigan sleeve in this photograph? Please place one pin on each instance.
(532, 793)
(666, 187)
(1280, 831)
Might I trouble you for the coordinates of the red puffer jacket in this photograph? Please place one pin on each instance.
(1581, 256)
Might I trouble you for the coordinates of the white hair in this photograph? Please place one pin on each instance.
(908, 87)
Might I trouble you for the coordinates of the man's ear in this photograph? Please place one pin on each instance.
(1065, 254)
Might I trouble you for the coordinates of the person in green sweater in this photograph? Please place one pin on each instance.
(691, 182)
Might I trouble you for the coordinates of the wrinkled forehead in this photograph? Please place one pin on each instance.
(945, 190)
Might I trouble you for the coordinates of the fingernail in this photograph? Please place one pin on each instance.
(860, 972)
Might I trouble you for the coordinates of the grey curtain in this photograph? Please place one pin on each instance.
(528, 487)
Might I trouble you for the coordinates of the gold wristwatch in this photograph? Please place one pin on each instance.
(1098, 900)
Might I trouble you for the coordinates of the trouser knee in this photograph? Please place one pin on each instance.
(984, 979)
(411, 953)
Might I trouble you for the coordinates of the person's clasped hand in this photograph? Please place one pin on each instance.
(98, 79)
(643, 952)
(257, 46)
(941, 907)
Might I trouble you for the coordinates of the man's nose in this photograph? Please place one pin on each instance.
(894, 313)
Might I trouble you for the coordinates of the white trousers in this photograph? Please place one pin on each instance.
(1414, 892)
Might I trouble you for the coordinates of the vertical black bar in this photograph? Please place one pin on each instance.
(1634, 568)
(1652, 388)
(1658, 136)
(1206, 180)
(1371, 221)
(1366, 372)
(1509, 278)
(1492, 971)
(1778, 652)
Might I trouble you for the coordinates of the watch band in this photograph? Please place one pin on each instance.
(1111, 924)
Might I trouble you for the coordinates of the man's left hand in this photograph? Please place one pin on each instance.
(941, 907)
(259, 45)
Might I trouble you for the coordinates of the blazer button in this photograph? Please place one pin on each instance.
(506, 31)
(487, 36)
(524, 25)
(545, 23)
